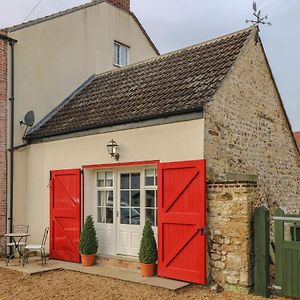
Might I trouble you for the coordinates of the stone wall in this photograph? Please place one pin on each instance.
(229, 215)
(3, 114)
(247, 132)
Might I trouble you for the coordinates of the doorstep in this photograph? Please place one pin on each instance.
(34, 266)
(124, 262)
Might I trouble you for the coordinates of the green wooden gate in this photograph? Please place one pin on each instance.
(287, 254)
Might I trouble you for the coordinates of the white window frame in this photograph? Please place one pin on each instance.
(151, 188)
(105, 189)
(118, 63)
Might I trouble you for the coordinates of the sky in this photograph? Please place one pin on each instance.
(175, 24)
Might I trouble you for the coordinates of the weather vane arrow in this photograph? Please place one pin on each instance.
(259, 19)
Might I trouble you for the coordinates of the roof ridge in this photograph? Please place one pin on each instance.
(168, 54)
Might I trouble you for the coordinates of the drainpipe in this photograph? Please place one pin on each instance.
(12, 43)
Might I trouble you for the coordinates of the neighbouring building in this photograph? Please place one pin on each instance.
(53, 56)
(197, 138)
(297, 138)
(3, 132)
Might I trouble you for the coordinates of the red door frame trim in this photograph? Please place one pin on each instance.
(122, 164)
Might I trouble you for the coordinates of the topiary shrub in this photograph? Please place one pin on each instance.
(88, 243)
(148, 248)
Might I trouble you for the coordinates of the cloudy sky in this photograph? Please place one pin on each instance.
(174, 24)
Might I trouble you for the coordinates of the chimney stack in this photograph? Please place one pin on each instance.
(123, 4)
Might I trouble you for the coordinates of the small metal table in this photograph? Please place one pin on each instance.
(17, 238)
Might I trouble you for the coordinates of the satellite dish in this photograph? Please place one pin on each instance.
(254, 6)
(28, 119)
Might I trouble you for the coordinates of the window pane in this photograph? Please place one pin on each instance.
(149, 173)
(135, 181)
(150, 201)
(150, 216)
(124, 181)
(101, 199)
(124, 198)
(108, 179)
(135, 216)
(124, 215)
(149, 181)
(100, 179)
(123, 58)
(109, 215)
(101, 215)
(110, 198)
(117, 51)
(135, 198)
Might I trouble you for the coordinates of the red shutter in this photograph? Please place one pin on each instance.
(65, 214)
(181, 221)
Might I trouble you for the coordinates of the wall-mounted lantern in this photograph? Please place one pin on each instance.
(112, 148)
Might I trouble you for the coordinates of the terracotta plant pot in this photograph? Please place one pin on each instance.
(87, 260)
(148, 270)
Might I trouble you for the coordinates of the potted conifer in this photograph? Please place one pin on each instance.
(148, 251)
(88, 244)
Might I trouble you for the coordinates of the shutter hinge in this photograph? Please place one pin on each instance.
(203, 230)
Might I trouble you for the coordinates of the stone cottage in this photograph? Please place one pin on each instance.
(192, 140)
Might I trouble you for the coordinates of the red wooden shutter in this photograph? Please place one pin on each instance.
(65, 214)
(181, 221)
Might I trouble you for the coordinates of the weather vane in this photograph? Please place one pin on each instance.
(259, 18)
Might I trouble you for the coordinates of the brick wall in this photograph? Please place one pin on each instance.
(230, 210)
(124, 4)
(247, 132)
(3, 131)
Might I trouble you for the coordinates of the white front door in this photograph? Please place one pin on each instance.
(124, 199)
(130, 213)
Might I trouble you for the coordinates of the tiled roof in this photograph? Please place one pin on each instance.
(175, 83)
(297, 138)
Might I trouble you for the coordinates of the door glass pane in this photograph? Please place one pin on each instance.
(135, 216)
(100, 179)
(108, 179)
(110, 198)
(101, 215)
(150, 200)
(124, 181)
(150, 176)
(125, 198)
(135, 198)
(109, 215)
(135, 181)
(124, 215)
(101, 198)
(150, 216)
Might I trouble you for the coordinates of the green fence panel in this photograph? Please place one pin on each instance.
(287, 254)
(261, 252)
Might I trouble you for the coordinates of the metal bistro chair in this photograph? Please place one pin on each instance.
(17, 229)
(37, 247)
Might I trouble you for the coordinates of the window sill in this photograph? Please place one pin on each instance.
(119, 66)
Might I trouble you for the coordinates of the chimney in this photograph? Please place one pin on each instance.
(123, 4)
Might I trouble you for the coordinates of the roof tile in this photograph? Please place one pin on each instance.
(181, 81)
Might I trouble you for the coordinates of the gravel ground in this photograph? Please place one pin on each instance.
(72, 285)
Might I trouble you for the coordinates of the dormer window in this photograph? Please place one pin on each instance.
(121, 55)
